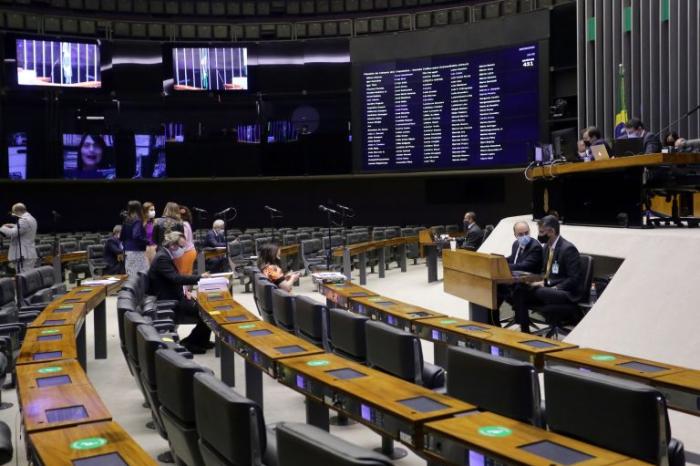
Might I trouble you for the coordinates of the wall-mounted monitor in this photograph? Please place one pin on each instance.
(17, 155)
(210, 68)
(174, 132)
(475, 109)
(281, 131)
(58, 63)
(248, 134)
(150, 156)
(88, 157)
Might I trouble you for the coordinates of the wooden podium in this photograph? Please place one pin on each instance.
(475, 276)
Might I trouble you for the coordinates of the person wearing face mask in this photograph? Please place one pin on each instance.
(590, 137)
(133, 238)
(113, 253)
(525, 256)
(563, 276)
(149, 217)
(635, 129)
(473, 236)
(216, 239)
(165, 283)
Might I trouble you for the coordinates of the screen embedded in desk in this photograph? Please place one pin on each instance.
(469, 110)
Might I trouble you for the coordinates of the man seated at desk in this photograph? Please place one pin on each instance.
(563, 280)
(216, 239)
(590, 137)
(473, 236)
(113, 253)
(525, 256)
(635, 129)
(165, 283)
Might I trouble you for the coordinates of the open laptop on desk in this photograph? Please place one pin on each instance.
(600, 152)
(627, 147)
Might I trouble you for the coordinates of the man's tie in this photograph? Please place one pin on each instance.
(517, 254)
(550, 259)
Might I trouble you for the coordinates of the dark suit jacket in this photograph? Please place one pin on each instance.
(569, 277)
(473, 238)
(113, 249)
(652, 143)
(163, 280)
(214, 240)
(529, 259)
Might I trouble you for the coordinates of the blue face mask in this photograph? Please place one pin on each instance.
(523, 241)
(633, 135)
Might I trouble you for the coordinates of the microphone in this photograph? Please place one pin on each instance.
(323, 208)
(225, 211)
(683, 117)
(272, 209)
(345, 208)
(202, 211)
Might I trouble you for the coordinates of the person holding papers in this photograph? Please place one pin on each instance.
(165, 283)
(271, 266)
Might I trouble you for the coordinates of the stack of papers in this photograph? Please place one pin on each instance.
(104, 281)
(328, 277)
(213, 284)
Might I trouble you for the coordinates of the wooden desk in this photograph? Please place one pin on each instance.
(112, 288)
(72, 315)
(391, 311)
(82, 400)
(61, 447)
(644, 160)
(289, 250)
(372, 398)
(212, 253)
(32, 376)
(75, 256)
(262, 345)
(219, 309)
(475, 276)
(485, 438)
(339, 294)
(47, 344)
(450, 331)
(361, 250)
(94, 298)
(680, 385)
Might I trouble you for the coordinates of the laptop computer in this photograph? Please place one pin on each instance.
(600, 152)
(627, 147)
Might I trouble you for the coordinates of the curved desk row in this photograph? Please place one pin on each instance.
(394, 408)
(349, 251)
(65, 420)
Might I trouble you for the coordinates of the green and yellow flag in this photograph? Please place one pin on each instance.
(621, 107)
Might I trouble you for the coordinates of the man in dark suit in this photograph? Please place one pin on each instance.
(592, 136)
(563, 277)
(113, 253)
(473, 236)
(635, 129)
(525, 256)
(166, 284)
(216, 239)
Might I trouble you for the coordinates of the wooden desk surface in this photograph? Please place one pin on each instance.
(527, 342)
(359, 248)
(58, 314)
(466, 429)
(611, 362)
(377, 388)
(226, 310)
(614, 164)
(67, 257)
(396, 308)
(346, 290)
(465, 327)
(270, 343)
(28, 374)
(92, 296)
(289, 250)
(35, 403)
(689, 379)
(210, 253)
(60, 447)
(47, 344)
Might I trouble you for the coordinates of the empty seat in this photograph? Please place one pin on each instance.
(231, 428)
(501, 385)
(309, 317)
(48, 280)
(299, 444)
(96, 262)
(312, 255)
(6, 450)
(345, 334)
(174, 380)
(399, 353)
(30, 288)
(283, 309)
(263, 297)
(9, 312)
(619, 415)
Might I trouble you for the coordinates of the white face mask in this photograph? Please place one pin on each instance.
(151, 214)
(178, 252)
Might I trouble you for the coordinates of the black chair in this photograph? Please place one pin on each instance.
(260, 242)
(310, 318)
(303, 444)
(9, 312)
(412, 249)
(262, 294)
(174, 380)
(96, 262)
(312, 255)
(452, 230)
(559, 316)
(501, 385)
(345, 334)
(48, 280)
(283, 309)
(616, 414)
(31, 291)
(231, 428)
(399, 353)
(438, 230)
(6, 450)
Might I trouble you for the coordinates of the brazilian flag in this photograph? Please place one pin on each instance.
(621, 107)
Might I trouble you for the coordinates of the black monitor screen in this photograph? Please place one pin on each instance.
(71, 413)
(236, 318)
(17, 156)
(289, 349)
(259, 333)
(46, 355)
(210, 68)
(423, 404)
(150, 156)
(53, 381)
(556, 453)
(640, 366)
(54, 63)
(539, 344)
(469, 110)
(473, 328)
(108, 459)
(88, 157)
(345, 373)
(49, 337)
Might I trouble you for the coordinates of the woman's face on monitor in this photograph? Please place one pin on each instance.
(91, 153)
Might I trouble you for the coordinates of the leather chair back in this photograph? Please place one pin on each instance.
(394, 351)
(283, 309)
(346, 334)
(309, 317)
